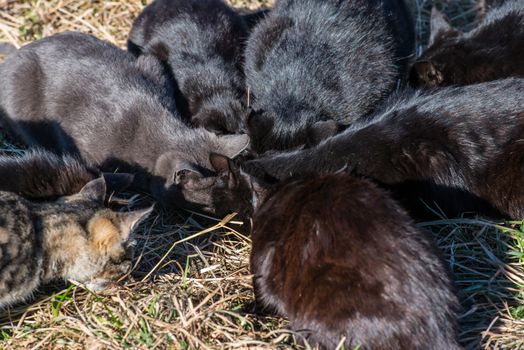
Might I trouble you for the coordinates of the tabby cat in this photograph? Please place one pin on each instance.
(74, 237)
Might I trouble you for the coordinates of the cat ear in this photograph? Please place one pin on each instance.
(438, 24)
(220, 163)
(176, 169)
(94, 190)
(322, 130)
(130, 220)
(232, 145)
(225, 166)
(260, 190)
(104, 234)
(117, 182)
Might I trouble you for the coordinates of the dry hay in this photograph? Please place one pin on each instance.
(191, 286)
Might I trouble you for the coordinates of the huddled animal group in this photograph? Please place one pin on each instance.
(313, 118)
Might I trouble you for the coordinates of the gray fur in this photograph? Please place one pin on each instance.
(7, 49)
(74, 93)
(310, 61)
(202, 42)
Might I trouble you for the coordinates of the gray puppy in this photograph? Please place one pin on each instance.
(202, 43)
(313, 66)
(74, 93)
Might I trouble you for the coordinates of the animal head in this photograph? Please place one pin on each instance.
(187, 179)
(88, 242)
(266, 135)
(442, 56)
(235, 190)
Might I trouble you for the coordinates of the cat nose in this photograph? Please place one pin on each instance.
(426, 74)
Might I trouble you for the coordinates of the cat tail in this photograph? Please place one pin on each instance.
(7, 48)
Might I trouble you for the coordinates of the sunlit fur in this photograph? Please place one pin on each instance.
(64, 239)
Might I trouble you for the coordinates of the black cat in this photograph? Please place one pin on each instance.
(314, 66)
(465, 140)
(73, 93)
(202, 42)
(338, 257)
(494, 50)
(39, 174)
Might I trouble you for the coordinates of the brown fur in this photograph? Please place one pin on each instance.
(359, 269)
(338, 257)
(75, 237)
(103, 232)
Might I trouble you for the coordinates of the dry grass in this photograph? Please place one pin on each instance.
(191, 286)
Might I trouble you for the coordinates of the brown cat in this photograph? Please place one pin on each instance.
(339, 257)
(74, 237)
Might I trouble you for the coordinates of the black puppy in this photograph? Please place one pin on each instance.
(74, 93)
(313, 66)
(202, 42)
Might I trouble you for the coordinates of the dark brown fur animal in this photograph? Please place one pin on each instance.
(494, 50)
(359, 270)
(338, 257)
(75, 237)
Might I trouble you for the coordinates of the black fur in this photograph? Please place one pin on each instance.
(39, 174)
(361, 270)
(465, 140)
(338, 257)
(494, 50)
(202, 43)
(76, 94)
(252, 18)
(312, 65)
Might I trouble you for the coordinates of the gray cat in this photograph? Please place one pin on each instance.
(74, 93)
(313, 66)
(75, 237)
(202, 42)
